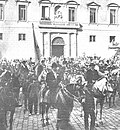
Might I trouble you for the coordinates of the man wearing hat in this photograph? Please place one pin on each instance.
(92, 74)
(89, 106)
(53, 78)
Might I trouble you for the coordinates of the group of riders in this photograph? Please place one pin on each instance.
(36, 79)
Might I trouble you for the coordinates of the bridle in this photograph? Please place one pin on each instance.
(71, 96)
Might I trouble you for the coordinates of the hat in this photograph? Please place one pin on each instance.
(92, 64)
(54, 65)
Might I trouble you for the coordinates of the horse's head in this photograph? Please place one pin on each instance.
(5, 76)
(76, 90)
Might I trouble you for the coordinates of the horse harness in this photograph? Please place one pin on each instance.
(70, 95)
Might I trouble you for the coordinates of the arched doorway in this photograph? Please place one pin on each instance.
(58, 47)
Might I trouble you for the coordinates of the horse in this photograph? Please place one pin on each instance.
(8, 97)
(62, 99)
(16, 85)
(2, 113)
(101, 89)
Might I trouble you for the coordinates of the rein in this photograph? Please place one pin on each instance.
(70, 95)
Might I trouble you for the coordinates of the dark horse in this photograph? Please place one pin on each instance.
(7, 96)
(2, 113)
(62, 99)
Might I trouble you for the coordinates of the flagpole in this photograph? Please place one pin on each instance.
(36, 47)
(37, 51)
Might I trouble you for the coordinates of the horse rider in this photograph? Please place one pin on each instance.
(53, 79)
(40, 67)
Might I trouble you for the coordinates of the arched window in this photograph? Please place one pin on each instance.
(58, 41)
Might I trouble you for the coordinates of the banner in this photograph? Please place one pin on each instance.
(36, 47)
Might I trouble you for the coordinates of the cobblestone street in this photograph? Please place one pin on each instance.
(111, 119)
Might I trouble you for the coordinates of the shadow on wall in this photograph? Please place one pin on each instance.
(3, 49)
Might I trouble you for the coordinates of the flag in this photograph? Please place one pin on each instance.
(36, 47)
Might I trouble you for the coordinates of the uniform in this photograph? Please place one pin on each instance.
(88, 105)
(88, 108)
(33, 91)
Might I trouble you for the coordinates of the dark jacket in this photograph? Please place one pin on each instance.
(89, 101)
(39, 69)
(33, 89)
(51, 80)
(92, 75)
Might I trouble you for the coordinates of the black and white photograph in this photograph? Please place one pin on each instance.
(59, 64)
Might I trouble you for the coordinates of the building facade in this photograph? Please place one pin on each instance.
(66, 28)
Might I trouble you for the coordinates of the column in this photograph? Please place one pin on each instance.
(43, 44)
(76, 45)
(70, 44)
(50, 44)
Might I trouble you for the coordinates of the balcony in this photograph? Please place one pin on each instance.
(60, 24)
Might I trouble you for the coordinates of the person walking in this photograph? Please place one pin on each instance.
(33, 92)
(88, 104)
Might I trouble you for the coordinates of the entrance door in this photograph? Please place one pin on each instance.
(58, 47)
(57, 50)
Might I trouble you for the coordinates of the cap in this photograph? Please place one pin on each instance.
(92, 64)
(54, 65)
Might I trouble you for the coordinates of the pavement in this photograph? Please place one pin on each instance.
(111, 119)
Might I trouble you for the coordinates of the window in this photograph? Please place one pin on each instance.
(1, 11)
(21, 37)
(92, 15)
(1, 36)
(112, 16)
(93, 10)
(92, 38)
(71, 13)
(113, 13)
(45, 13)
(112, 39)
(22, 12)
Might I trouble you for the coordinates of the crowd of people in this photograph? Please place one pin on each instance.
(31, 76)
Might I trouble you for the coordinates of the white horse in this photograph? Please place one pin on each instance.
(100, 89)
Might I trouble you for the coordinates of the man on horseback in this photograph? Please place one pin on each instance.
(53, 79)
(92, 74)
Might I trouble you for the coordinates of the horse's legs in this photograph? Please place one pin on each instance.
(25, 103)
(43, 107)
(11, 118)
(114, 97)
(101, 108)
(6, 118)
(47, 118)
(81, 111)
(96, 111)
(110, 101)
